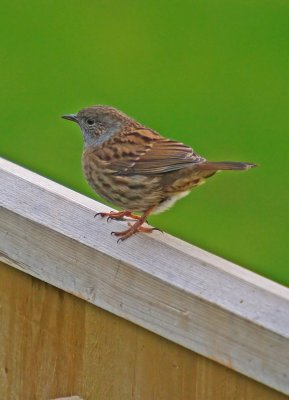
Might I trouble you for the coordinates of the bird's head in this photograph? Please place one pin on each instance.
(99, 123)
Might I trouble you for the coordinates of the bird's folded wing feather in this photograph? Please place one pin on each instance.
(147, 153)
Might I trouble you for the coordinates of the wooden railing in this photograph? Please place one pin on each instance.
(184, 294)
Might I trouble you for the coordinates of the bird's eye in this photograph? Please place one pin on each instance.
(90, 121)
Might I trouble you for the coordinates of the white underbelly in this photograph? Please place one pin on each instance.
(165, 205)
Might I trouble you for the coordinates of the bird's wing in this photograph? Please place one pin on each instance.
(145, 152)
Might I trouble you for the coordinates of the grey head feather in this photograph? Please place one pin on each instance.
(100, 123)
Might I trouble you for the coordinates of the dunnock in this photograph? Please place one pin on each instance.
(136, 168)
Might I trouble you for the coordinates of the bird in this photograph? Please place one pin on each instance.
(138, 169)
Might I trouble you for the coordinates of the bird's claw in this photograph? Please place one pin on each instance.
(115, 219)
(98, 213)
(133, 228)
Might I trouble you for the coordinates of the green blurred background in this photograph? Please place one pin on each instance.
(213, 74)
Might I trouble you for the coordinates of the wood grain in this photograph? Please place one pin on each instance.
(189, 296)
(53, 344)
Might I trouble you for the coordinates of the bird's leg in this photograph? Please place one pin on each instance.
(146, 229)
(136, 227)
(118, 215)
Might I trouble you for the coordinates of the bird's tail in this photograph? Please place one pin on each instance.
(225, 165)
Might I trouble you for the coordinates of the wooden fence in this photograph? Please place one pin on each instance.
(150, 318)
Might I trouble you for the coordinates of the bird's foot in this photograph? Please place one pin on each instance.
(117, 215)
(133, 228)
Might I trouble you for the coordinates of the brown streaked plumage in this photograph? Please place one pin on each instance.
(136, 168)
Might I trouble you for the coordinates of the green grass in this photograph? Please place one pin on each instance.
(211, 74)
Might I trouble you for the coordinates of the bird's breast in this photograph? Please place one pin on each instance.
(131, 192)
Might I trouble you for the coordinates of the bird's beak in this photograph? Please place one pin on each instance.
(70, 117)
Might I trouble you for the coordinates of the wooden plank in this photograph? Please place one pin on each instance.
(189, 296)
(69, 398)
(53, 344)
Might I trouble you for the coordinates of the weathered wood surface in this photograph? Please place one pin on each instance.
(54, 345)
(176, 290)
